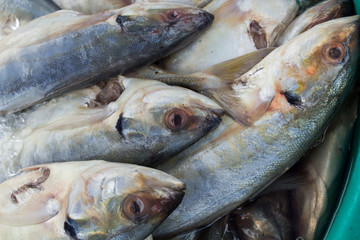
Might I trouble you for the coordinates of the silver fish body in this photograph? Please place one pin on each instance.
(301, 202)
(94, 6)
(325, 166)
(86, 200)
(15, 13)
(240, 27)
(63, 51)
(235, 162)
(322, 12)
(149, 122)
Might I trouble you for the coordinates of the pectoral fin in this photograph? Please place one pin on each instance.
(80, 119)
(245, 108)
(234, 68)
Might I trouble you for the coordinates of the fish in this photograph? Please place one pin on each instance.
(324, 166)
(268, 217)
(94, 6)
(15, 13)
(240, 27)
(300, 204)
(305, 4)
(233, 163)
(86, 200)
(65, 50)
(322, 12)
(149, 122)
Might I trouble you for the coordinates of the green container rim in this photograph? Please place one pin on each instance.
(346, 221)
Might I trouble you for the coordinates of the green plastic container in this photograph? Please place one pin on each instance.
(346, 224)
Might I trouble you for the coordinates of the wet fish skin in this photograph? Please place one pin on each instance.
(87, 200)
(325, 166)
(303, 105)
(304, 209)
(63, 51)
(94, 6)
(322, 12)
(268, 217)
(15, 13)
(149, 122)
(240, 27)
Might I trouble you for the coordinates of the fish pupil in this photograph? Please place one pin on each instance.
(173, 15)
(177, 120)
(137, 206)
(334, 53)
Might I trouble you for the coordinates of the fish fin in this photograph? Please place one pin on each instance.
(80, 119)
(37, 209)
(245, 107)
(234, 68)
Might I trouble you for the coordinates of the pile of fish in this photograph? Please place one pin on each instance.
(179, 119)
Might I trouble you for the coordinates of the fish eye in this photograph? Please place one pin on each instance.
(172, 16)
(135, 208)
(334, 53)
(176, 119)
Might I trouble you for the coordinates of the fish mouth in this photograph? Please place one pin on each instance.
(174, 199)
(207, 17)
(213, 119)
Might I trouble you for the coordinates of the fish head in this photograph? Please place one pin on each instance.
(164, 25)
(120, 201)
(165, 119)
(316, 66)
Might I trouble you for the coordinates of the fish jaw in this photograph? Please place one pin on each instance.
(130, 201)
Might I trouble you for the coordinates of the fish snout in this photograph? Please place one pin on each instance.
(205, 21)
(213, 119)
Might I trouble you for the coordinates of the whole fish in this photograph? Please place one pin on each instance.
(86, 200)
(240, 27)
(322, 12)
(95, 6)
(65, 50)
(149, 122)
(304, 82)
(15, 13)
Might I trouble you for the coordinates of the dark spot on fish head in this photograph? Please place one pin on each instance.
(292, 98)
(110, 93)
(258, 34)
(172, 16)
(70, 228)
(122, 20)
(119, 126)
